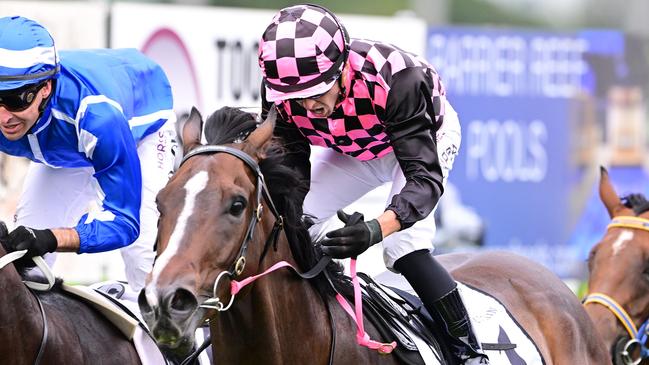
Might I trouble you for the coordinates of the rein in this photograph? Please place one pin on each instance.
(636, 338)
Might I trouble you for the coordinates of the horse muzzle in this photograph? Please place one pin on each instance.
(172, 316)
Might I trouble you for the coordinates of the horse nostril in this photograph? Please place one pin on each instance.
(143, 303)
(183, 301)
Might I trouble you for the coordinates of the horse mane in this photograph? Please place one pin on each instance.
(637, 202)
(232, 125)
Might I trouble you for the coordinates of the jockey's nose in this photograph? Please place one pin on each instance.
(4, 114)
(309, 104)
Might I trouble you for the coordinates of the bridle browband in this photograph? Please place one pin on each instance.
(636, 338)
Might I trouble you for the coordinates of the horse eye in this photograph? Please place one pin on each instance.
(237, 207)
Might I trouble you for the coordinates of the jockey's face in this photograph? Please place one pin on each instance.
(323, 105)
(15, 124)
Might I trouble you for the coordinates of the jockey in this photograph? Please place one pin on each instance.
(98, 126)
(383, 116)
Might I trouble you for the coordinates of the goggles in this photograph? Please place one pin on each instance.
(20, 99)
(300, 100)
(318, 96)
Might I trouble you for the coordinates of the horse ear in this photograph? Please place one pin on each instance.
(608, 195)
(189, 130)
(264, 132)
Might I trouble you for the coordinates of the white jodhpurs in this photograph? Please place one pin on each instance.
(338, 180)
(58, 197)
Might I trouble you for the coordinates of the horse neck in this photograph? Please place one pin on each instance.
(280, 316)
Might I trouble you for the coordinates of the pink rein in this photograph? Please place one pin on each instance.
(362, 337)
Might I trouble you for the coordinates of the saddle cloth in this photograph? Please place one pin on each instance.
(500, 335)
(124, 315)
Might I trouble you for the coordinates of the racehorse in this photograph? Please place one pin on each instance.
(53, 328)
(220, 221)
(618, 283)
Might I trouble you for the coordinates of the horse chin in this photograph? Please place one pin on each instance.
(178, 349)
(175, 342)
(175, 334)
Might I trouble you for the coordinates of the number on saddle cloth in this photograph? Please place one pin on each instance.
(113, 288)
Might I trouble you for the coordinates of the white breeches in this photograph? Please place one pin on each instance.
(338, 180)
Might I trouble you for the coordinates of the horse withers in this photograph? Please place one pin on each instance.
(53, 328)
(218, 229)
(618, 283)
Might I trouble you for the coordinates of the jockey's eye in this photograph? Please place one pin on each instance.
(238, 206)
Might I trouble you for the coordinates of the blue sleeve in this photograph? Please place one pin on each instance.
(106, 139)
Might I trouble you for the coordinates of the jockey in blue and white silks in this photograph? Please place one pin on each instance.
(99, 128)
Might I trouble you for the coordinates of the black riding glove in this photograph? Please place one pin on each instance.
(353, 239)
(37, 242)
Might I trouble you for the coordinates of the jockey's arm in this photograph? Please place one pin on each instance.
(389, 223)
(67, 239)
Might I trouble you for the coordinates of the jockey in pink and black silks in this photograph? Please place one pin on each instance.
(382, 115)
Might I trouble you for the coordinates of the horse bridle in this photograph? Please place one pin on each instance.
(262, 191)
(239, 263)
(617, 310)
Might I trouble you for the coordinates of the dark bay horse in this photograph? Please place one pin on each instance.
(618, 283)
(217, 224)
(74, 333)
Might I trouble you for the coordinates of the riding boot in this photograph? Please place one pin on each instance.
(438, 291)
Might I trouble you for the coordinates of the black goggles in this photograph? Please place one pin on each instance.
(318, 96)
(17, 100)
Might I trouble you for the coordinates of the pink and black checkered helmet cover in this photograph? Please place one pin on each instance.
(302, 52)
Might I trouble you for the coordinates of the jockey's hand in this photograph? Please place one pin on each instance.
(353, 239)
(37, 242)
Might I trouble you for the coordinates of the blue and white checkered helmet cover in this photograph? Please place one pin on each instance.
(27, 53)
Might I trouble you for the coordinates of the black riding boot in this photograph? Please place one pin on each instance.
(438, 291)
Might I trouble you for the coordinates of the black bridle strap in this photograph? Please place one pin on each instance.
(272, 239)
(41, 348)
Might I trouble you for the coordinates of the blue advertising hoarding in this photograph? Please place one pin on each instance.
(515, 92)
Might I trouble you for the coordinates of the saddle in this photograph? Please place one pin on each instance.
(400, 316)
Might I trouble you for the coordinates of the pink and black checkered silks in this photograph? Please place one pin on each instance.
(357, 125)
(301, 53)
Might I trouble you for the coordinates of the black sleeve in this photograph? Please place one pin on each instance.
(296, 145)
(411, 126)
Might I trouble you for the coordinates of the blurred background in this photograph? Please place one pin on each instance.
(547, 91)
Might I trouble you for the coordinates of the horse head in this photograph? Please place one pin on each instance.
(213, 224)
(618, 285)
